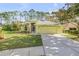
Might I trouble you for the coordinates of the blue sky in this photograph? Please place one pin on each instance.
(27, 6)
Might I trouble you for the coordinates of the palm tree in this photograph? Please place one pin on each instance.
(6, 17)
(1, 18)
(31, 14)
(25, 14)
(41, 15)
(20, 15)
(14, 15)
(38, 15)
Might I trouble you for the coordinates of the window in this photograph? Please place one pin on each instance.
(72, 29)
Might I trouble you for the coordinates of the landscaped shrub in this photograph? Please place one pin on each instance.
(15, 27)
(66, 31)
(75, 32)
(72, 31)
(11, 27)
(6, 27)
(1, 34)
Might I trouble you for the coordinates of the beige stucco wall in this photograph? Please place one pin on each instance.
(45, 28)
(48, 29)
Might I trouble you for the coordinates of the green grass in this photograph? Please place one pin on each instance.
(15, 40)
(72, 36)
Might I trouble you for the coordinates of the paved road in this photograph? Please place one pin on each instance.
(60, 46)
(32, 51)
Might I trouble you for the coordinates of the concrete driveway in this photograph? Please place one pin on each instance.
(55, 45)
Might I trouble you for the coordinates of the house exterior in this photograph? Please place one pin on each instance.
(52, 17)
(71, 26)
(42, 27)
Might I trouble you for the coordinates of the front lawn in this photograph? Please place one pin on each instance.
(15, 40)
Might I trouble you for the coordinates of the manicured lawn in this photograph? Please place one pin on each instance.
(18, 40)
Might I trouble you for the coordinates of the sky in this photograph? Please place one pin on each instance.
(27, 6)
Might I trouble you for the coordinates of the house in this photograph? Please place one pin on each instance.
(43, 27)
(71, 26)
(52, 17)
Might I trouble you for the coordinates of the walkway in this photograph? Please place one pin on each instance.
(55, 45)
(32, 51)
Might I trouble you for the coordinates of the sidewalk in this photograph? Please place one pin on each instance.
(32, 51)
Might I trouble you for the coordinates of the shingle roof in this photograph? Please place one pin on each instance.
(46, 23)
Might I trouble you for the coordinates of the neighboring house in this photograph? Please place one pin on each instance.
(71, 26)
(52, 17)
(44, 27)
(77, 18)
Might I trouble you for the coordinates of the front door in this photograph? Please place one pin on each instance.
(32, 27)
